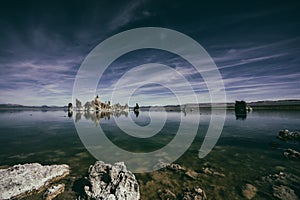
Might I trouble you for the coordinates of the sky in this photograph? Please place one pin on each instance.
(254, 44)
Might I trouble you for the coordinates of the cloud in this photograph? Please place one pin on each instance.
(256, 50)
(249, 72)
(32, 83)
(130, 13)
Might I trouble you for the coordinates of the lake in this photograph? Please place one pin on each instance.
(247, 151)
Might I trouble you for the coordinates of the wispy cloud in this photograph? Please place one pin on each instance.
(130, 13)
(256, 51)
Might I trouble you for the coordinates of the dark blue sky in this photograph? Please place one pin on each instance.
(255, 45)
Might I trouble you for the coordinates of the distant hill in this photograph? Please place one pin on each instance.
(257, 105)
(10, 106)
(280, 104)
(22, 107)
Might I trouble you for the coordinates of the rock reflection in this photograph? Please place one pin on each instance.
(240, 115)
(78, 116)
(136, 113)
(70, 113)
(120, 113)
(96, 116)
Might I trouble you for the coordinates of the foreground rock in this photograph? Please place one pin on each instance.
(210, 171)
(249, 191)
(284, 193)
(284, 186)
(291, 153)
(54, 191)
(197, 194)
(192, 174)
(166, 194)
(111, 182)
(282, 178)
(170, 166)
(22, 180)
(288, 135)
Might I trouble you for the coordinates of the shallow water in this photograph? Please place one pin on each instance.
(246, 152)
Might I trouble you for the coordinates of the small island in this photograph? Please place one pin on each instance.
(97, 105)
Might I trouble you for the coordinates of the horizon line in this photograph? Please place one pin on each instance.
(45, 105)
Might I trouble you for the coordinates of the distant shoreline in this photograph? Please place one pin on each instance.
(17, 107)
(258, 105)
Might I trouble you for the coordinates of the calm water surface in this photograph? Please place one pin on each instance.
(246, 152)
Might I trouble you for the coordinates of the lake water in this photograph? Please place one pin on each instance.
(246, 152)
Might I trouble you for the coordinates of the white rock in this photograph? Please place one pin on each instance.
(111, 182)
(54, 191)
(20, 180)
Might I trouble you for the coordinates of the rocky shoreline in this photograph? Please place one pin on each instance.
(105, 181)
(171, 181)
(286, 135)
(113, 182)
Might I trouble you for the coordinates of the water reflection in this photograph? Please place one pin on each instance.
(70, 113)
(140, 141)
(96, 116)
(136, 112)
(78, 116)
(240, 115)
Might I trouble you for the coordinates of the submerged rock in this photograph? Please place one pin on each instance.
(284, 193)
(111, 182)
(249, 191)
(192, 174)
(283, 184)
(171, 166)
(21, 180)
(54, 191)
(291, 153)
(175, 167)
(281, 178)
(167, 194)
(197, 194)
(288, 135)
(210, 171)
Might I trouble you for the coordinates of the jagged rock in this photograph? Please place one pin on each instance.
(284, 133)
(281, 178)
(78, 104)
(160, 164)
(249, 191)
(175, 167)
(288, 135)
(21, 180)
(284, 193)
(291, 153)
(192, 174)
(111, 182)
(210, 171)
(197, 194)
(89, 106)
(206, 170)
(276, 181)
(54, 191)
(219, 174)
(166, 195)
(172, 166)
